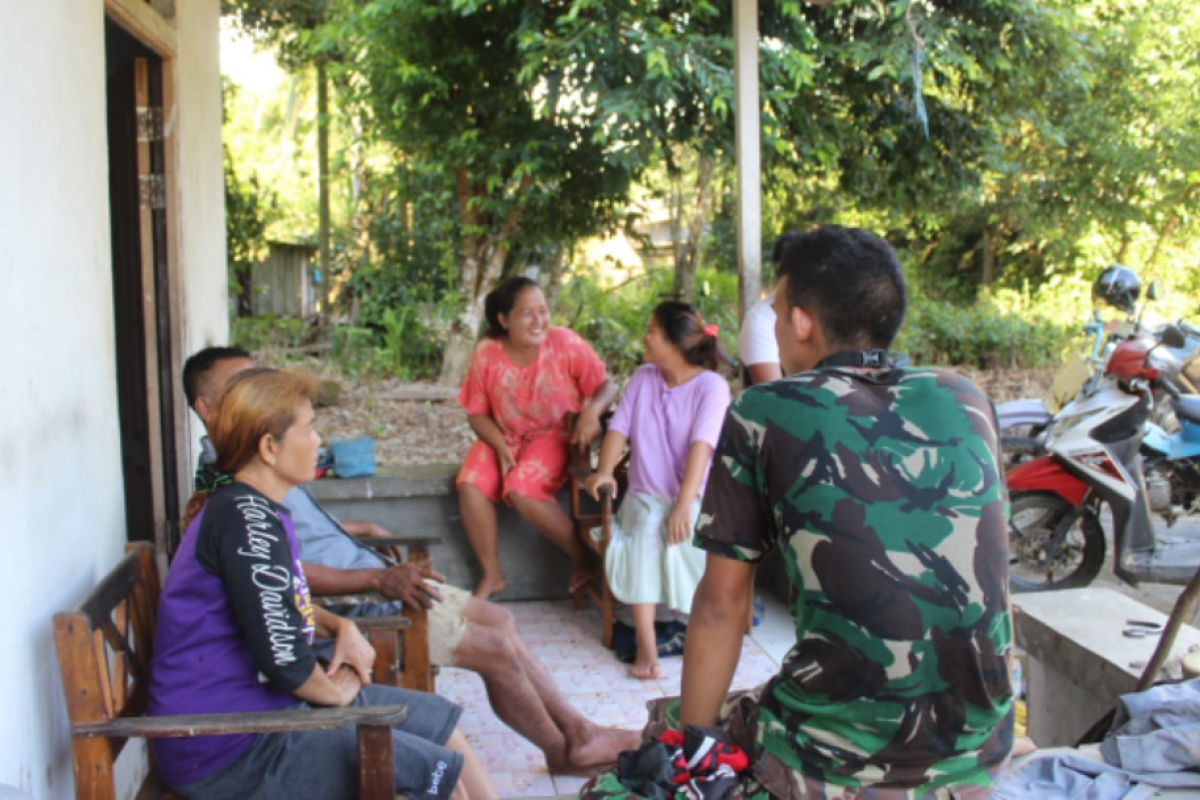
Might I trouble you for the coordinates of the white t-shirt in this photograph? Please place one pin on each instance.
(756, 340)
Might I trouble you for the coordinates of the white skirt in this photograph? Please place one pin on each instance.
(641, 567)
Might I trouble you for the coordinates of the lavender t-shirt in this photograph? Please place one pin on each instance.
(662, 423)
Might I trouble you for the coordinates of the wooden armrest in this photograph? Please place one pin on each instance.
(392, 622)
(184, 725)
(401, 540)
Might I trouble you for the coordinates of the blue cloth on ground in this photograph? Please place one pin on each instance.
(1156, 744)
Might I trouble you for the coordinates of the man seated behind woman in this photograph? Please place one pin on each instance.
(671, 415)
(525, 378)
(236, 625)
(464, 631)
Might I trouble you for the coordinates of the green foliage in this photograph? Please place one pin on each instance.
(285, 25)
(266, 333)
(354, 350)
(613, 320)
(248, 211)
(980, 336)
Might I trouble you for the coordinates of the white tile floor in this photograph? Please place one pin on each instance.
(568, 643)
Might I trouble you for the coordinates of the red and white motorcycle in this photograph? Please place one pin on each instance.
(1056, 539)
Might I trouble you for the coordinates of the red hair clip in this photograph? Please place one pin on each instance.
(711, 329)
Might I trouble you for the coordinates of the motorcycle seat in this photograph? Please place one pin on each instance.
(1188, 408)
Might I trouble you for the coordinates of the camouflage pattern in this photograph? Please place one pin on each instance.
(883, 493)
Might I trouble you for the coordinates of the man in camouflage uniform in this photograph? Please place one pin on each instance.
(881, 488)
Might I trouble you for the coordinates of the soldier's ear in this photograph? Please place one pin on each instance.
(803, 324)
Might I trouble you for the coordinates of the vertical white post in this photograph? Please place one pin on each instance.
(749, 159)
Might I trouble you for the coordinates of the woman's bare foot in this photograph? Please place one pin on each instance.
(581, 577)
(646, 672)
(593, 748)
(489, 586)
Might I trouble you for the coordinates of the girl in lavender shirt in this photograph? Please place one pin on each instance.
(671, 415)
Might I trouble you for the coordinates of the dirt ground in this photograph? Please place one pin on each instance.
(423, 424)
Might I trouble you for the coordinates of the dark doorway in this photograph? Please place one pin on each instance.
(141, 294)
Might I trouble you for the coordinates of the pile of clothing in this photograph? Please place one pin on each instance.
(693, 764)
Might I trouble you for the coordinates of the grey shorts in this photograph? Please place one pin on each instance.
(324, 764)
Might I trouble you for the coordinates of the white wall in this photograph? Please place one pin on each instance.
(201, 186)
(61, 502)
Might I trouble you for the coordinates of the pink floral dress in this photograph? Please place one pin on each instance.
(530, 404)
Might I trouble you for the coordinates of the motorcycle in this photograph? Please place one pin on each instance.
(1095, 460)
(1023, 422)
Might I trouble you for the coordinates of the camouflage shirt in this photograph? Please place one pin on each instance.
(882, 490)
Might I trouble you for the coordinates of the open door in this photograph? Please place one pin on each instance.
(142, 301)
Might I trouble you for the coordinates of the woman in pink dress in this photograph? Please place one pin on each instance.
(671, 415)
(525, 378)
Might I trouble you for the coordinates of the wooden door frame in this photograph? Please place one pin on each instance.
(141, 21)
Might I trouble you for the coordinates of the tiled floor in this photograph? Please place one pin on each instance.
(568, 643)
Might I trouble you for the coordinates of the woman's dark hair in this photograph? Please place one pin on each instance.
(681, 325)
(501, 301)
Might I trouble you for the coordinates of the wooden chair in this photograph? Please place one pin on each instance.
(593, 523)
(104, 650)
(401, 642)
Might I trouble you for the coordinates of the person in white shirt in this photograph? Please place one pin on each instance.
(757, 349)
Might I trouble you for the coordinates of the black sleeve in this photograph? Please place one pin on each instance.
(243, 542)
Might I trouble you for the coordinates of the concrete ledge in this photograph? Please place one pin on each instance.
(424, 480)
(1079, 662)
(422, 499)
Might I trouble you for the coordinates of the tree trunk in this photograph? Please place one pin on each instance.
(558, 266)
(323, 250)
(245, 298)
(687, 254)
(1167, 231)
(481, 270)
(989, 259)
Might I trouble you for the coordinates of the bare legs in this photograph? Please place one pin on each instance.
(553, 523)
(526, 699)
(646, 663)
(473, 782)
(479, 521)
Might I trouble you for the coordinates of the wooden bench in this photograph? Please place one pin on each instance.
(401, 642)
(104, 650)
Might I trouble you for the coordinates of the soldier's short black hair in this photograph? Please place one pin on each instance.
(851, 281)
(196, 367)
(781, 246)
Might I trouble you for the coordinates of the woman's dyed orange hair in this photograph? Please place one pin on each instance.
(255, 403)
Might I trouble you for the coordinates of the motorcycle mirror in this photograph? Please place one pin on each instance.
(1152, 290)
(1172, 336)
